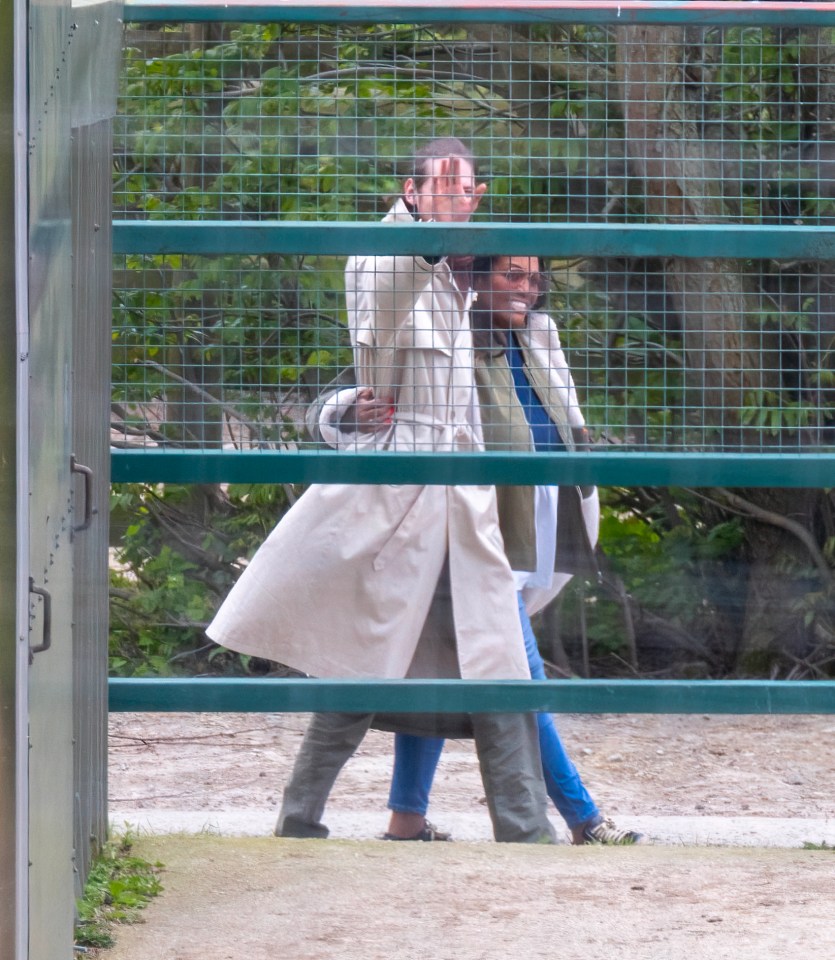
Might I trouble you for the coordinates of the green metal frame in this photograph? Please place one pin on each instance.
(471, 696)
(213, 237)
(483, 11)
(690, 469)
(603, 469)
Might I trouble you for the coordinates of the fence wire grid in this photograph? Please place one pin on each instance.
(569, 124)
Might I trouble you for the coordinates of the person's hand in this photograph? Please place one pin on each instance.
(371, 414)
(582, 437)
(451, 194)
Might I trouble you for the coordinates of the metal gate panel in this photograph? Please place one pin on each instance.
(10, 739)
(267, 228)
(91, 342)
(94, 59)
(51, 905)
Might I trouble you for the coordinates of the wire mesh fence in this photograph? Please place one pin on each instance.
(569, 124)
(649, 270)
(233, 350)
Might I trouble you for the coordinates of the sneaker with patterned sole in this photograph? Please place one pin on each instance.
(605, 831)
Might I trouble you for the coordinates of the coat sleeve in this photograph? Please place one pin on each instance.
(546, 350)
(537, 598)
(332, 411)
(381, 294)
(544, 339)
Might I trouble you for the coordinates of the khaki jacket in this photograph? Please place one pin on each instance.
(343, 584)
(506, 428)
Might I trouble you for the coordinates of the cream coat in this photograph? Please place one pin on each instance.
(342, 585)
(505, 428)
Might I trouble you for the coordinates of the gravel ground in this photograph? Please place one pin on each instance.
(260, 899)
(752, 784)
(695, 779)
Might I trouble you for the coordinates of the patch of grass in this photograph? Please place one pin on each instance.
(118, 887)
(808, 845)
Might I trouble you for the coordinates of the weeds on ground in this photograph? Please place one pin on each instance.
(808, 845)
(118, 887)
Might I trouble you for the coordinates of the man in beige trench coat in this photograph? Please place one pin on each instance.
(343, 585)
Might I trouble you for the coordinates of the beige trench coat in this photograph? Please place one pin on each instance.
(342, 585)
(506, 428)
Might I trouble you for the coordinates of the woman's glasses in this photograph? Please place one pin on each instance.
(518, 278)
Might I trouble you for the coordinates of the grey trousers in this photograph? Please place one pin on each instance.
(507, 745)
(508, 754)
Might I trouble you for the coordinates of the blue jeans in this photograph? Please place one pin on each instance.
(416, 759)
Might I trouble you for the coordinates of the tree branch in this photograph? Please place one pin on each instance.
(748, 509)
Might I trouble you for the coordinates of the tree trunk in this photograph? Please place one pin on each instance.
(782, 571)
(729, 358)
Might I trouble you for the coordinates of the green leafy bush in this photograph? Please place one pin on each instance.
(118, 886)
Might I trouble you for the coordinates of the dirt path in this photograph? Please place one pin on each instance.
(681, 779)
(256, 899)
(227, 771)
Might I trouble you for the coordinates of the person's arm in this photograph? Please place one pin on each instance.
(381, 296)
(383, 293)
(350, 412)
(448, 196)
(550, 372)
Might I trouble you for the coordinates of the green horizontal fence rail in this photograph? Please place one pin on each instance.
(437, 239)
(613, 467)
(603, 469)
(471, 696)
(484, 11)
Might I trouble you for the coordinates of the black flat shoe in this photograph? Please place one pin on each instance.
(429, 832)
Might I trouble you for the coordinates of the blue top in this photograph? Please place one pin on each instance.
(545, 434)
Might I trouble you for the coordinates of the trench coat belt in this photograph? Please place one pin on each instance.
(459, 431)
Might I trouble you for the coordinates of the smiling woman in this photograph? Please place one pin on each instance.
(507, 289)
(527, 401)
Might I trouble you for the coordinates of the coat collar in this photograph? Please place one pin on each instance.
(399, 213)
